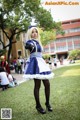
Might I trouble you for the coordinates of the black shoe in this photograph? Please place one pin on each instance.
(49, 107)
(3, 89)
(40, 110)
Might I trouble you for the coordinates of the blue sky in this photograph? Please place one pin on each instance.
(63, 12)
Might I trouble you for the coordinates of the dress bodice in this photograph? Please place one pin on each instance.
(36, 46)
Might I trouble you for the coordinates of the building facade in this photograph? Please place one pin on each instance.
(69, 41)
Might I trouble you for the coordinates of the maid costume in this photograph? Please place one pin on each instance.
(36, 67)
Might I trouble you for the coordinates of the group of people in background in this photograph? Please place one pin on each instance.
(54, 61)
(19, 65)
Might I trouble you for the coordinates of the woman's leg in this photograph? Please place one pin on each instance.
(36, 95)
(47, 90)
(37, 84)
(47, 94)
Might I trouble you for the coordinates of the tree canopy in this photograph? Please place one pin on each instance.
(47, 36)
(74, 54)
(16, 16)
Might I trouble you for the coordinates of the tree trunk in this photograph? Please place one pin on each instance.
(9, 53)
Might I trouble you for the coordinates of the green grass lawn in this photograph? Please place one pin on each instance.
(65, 97)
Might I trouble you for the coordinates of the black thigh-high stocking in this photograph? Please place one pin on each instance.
(47, 90)
(37, 84)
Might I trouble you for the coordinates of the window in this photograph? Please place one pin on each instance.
(19, 52)
(72, 30)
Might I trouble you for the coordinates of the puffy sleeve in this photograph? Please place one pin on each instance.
(29, 45)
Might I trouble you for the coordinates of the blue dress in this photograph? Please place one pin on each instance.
(36, 67)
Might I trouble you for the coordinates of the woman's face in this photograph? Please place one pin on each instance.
(34, 34)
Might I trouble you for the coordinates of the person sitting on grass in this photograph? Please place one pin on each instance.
(3, 79)
(12, 81)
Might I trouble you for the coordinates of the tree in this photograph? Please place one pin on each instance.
(47, 36)
(74, 54)
(16, 16)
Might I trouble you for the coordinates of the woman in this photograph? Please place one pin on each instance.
(37, 69)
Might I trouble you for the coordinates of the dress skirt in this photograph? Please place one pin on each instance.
(36, 68)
